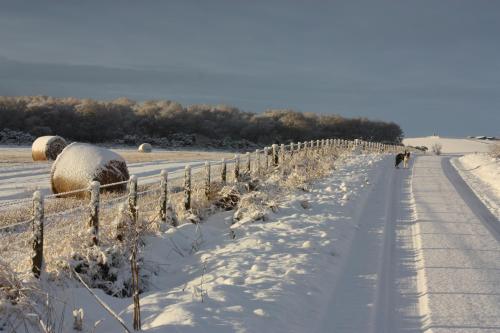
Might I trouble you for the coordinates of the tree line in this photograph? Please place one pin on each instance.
(106, 121)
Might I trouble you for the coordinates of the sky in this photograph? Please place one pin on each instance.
(432, 66)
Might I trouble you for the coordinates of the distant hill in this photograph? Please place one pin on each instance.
(452, 145)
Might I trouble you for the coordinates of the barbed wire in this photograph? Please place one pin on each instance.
(59, 195)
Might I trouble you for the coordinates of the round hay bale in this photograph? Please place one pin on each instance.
(145, 148)
(81, 163)
(47, 147)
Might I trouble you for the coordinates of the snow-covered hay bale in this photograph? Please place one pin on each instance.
(79, 164)
(47, 147)
(145, 148)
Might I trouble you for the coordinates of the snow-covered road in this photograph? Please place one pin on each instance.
(426, 257)
(459, 251)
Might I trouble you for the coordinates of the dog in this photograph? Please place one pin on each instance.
(406, 160)
(402, 157)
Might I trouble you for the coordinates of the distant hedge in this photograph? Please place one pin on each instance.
(106, 121)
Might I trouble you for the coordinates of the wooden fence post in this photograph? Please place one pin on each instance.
(236, 168)
(249, 166)
(266, 154)
(257, 162)
(223, 171)
(207, 180)
(275, 154)
(292, 149)
(187, 187)
(135, 278)
(132, 196)
(282, 155)
(163, 195)
(37, 256)
(93, 223)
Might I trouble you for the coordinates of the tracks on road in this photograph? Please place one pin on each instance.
(376, 291)
(426, 257)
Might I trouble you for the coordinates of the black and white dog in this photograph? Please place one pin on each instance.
(402, 157)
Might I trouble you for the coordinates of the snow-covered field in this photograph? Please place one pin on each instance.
(20, 177)
(451, 145)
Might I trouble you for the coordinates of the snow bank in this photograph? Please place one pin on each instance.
(482, 173)
(81, 163)
(451, 145)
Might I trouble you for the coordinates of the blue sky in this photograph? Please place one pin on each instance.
(429, 65)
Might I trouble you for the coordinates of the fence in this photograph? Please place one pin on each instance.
(36, 232)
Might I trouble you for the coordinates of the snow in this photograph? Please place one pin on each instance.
(482, 173)
(459, 248)
(370, 248)
(274, 276)
(451, 145)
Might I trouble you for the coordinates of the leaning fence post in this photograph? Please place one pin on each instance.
(236, 168)
(207, 180)
(187, 187)
(93, 223)
(249, 167)
(132, 196)
(37, 256)
(163, 195)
